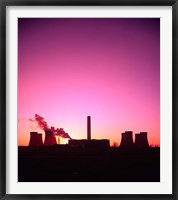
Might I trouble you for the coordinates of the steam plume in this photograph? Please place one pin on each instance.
(44, 126)
(41, 122)
(62, 133)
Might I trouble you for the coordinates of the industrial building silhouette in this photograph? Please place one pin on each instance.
(127, 139)
(141, 140)
(50, 138)
(35, 139)
(88, 160)
(89, 143)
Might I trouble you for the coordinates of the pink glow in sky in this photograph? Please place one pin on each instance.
(106, 68)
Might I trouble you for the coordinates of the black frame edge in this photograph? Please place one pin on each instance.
(3, 102)
(175, 96)
(89, 2)
(87, 196)
(3, 4)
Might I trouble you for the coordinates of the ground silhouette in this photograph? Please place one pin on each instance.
(61, 163)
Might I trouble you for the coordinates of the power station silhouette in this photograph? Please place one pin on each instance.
(36, 139)
(89, 143)
(89, 159)
(141, 140)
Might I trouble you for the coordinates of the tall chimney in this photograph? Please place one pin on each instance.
(88, 128)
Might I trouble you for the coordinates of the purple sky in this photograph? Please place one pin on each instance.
(106, 68)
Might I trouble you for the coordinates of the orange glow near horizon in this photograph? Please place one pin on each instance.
(82, 134)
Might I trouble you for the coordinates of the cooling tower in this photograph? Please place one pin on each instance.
(88, 128)
(50, 139)
(127, 139)
(141, 140)
(35, 139)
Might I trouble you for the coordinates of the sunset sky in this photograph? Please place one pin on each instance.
(105, 68)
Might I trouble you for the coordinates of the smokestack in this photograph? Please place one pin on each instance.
(88, 128)
(50, 139)
(127, 139)
(35, 139)
(141, 140)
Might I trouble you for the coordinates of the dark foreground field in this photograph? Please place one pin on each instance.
(64, 164)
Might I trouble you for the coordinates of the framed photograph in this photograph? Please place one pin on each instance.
(88, 99)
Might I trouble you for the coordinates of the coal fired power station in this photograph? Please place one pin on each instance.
(52, 137)
(51, 133)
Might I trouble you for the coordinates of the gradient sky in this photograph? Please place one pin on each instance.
(106, 68)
